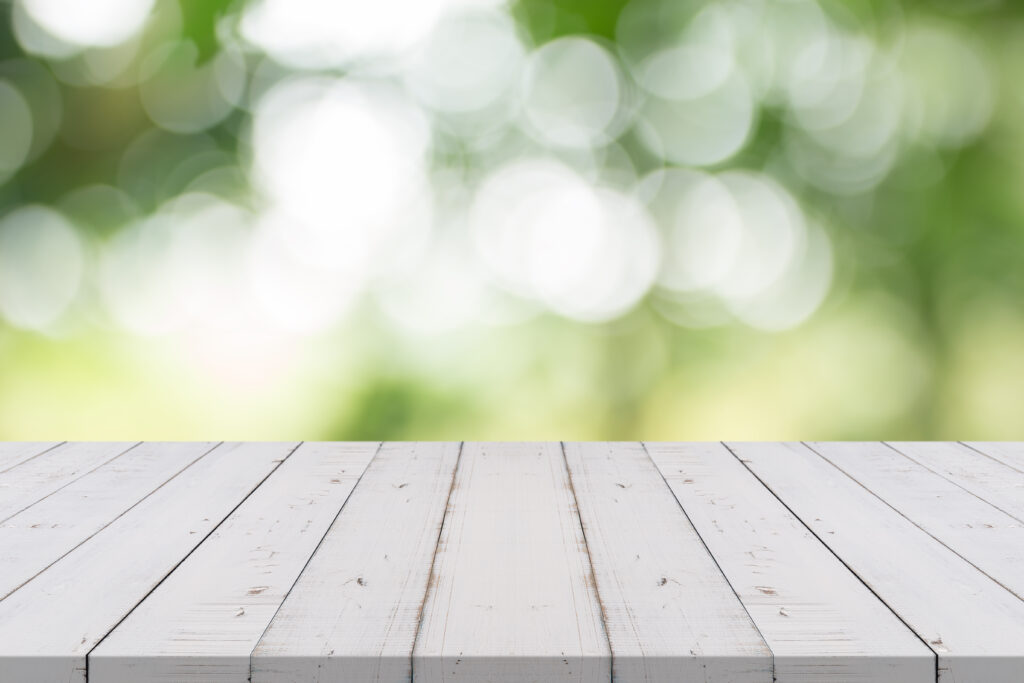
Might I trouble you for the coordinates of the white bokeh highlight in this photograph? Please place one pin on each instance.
(703, 131)
(316, 34)
(572, 93)
(737, 246)
(587, 253)
(97, 23)
(343, 164)
(470, 63)
(429, 162)
(42, 262)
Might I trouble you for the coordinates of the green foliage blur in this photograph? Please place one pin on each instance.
(920, 334)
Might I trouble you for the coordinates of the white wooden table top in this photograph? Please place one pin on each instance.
(759, 562)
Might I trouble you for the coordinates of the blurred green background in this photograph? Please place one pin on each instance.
(446, 219)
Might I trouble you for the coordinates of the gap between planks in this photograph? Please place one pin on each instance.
(576, 516)
(14, 453)
(38, 645)
(204, 620)
(974, 625)
(818, 618)
(980, 533)
(52, 527)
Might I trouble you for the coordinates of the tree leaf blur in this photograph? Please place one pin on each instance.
(659, 219)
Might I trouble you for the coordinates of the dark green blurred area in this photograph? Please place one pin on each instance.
(920, 336)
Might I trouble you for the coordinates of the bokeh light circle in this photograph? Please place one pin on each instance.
(587, 253)
(295, 294)
(183, 96)
(951, 94)
(95, 23)
(737, 245)
(702, 131)
(572, 92)
(16, 130)
(346, 162)
(701, 227)
(470, 62)
(691, 64)
(773, 232)
(184, 265)
(314, 34)
(42, 261)
(42, 95)
(797, 293)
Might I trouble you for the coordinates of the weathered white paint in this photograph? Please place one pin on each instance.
(821, 623)
(202, 623)
(1007, 452)
(992, 481)
(669, 612)
(974, 625)
(13, 453)
(354, 612)
(33, 480)
(49, 625)
(44, 532)
(986, 537)
(511, 595)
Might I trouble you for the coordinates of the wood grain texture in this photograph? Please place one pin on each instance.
(669, 613)
(187, 562)
(983, 535)
(974, 625)
(49, 625)
(511, 595)
(44, 532)
(821, 623)
(203, 622)
(33, 480)
(13, 453)
(992, 481)
(1009, 453)
(354, 612)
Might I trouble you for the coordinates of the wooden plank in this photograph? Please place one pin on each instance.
(354, 612)
(41, 534)
(974, 625)
(821, 623)
(669, 613)
(992, 481)
(511, 596)
(986, 537)
(13, 453)
(1007, 452)
(49, 625)
(203, 622)
(37, 478)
